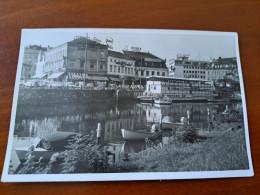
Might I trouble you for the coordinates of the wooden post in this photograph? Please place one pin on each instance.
(188, 116)
(160, 121)
(98, 132)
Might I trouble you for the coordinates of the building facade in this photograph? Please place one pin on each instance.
(147, 64)
(30, 59)
(209, 70)
(186, 68)
(80, 59)
(221, 67)
(120, 67)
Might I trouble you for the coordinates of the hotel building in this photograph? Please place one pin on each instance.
(147, 64)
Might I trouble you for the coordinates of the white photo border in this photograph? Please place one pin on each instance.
(122, 176)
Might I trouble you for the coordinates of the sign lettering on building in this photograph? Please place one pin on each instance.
(136, 49)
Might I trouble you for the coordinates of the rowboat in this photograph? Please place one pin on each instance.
(46, 147)
(163, 101)
(138, 135)
(168, 123)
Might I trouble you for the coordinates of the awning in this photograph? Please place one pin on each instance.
(56, 75)
(38, 76)
(94, 78)
(114, 79)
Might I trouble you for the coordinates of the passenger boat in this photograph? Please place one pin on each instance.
(163, 101)
(168, 123)
(138, 135)
(44, 148)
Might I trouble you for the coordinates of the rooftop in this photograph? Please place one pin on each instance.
(141, 55)
(220, 60)
(118, 54)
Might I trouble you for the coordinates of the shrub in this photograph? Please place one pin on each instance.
(187, 133)
(83, 155)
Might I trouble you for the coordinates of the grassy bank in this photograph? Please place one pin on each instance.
(222, 149)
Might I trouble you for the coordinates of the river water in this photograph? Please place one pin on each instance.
(39, 121)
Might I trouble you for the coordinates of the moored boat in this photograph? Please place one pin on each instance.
(138, 135)
(168, 123)
(44, 148)
(163, 101)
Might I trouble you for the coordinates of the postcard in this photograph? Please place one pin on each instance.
(127, 104)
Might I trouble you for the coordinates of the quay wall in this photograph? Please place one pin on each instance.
(35, 96)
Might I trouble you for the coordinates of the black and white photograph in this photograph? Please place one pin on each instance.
(127, 104)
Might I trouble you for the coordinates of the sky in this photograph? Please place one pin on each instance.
(200, 45)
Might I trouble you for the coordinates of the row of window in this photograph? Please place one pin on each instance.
(150, 73)
(189, 71)
(194, 76)
(119, 69)
(225, 66)
(118, 61)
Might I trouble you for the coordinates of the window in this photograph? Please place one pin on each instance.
(111, 60)
(114, 68)
(145, 63)
(111, 68)
(82, 63)
(132, 71)
(163, 73)
(158, 73)
(142, 73)
(118, 69)
(125, 70)
(93, 64)
(152, 72)
(128, 70)
(147, 73)
(101, 67)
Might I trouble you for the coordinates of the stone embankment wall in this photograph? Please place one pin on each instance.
(59, 96)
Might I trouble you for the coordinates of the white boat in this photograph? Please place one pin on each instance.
(138, 135)
(163, 101)
(168, 123)
(44, 148)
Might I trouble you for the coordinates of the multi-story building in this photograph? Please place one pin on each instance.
(147, 64)
(179, 88)
(208, 70)
(221, 67)
(186, 68)
(78, 59)
(30, 59)
(120, 67)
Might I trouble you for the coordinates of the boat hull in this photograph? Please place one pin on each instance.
(135, 135)
(44, 154)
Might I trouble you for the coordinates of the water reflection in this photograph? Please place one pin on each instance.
(34, 122)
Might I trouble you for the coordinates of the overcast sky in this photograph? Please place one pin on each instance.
(163, 44)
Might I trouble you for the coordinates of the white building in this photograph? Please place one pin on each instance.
(120, 66)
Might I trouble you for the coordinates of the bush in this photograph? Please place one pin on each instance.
(83, 156)
(187, 133)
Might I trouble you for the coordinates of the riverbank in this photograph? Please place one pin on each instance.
(39, 96)
(222, 149)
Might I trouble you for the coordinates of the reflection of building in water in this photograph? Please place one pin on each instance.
(113, 128)
(197, 112)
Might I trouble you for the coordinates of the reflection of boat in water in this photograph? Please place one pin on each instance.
(44, 148)
(146, 99)
(138, 135)
(168, 123)
(163, 101)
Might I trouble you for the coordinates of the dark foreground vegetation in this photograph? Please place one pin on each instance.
(189, 149)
